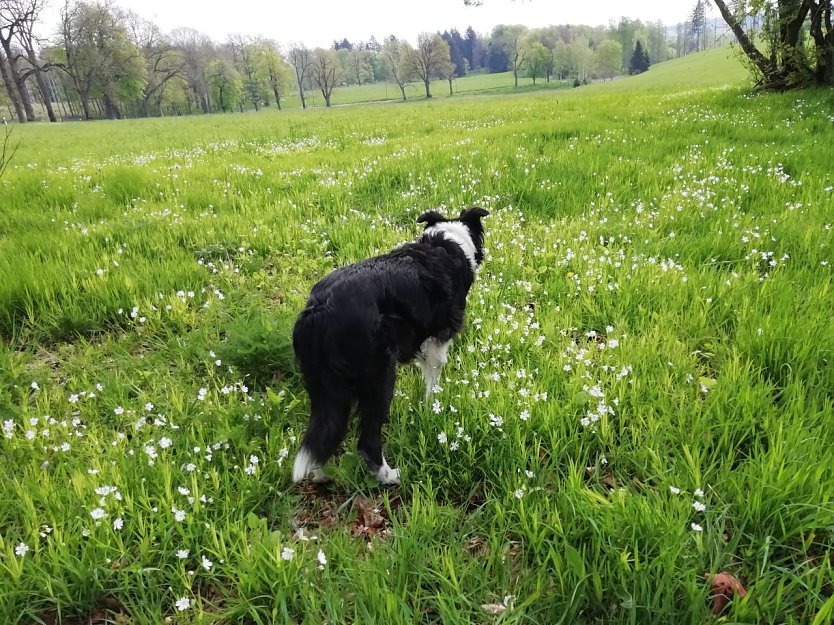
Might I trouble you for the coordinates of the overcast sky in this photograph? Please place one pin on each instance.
(319, 22)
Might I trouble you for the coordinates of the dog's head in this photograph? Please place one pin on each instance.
(470, 218)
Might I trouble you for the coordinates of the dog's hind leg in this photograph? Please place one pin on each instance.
(325, 431)
(374, 402)
(433, 355)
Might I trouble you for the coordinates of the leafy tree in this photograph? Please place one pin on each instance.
(163, 62)
(428, 58)
(14, 17)
(548, 37)
(301, 60)
(360, 65)
(515, 48)
(246, 57)
(538, 59)
(656, 44)
(625, 34)
(639, 62)
(225, 84)
(325, 72)
(24, 15)
(581, 58)
(607, 58)
(196, 50)
(448, 70)
(99, 56)
(561, 59)
(396, 55)
(273, 65)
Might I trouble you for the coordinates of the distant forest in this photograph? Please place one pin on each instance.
(105, 62)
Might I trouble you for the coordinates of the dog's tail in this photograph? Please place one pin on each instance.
(304, 465)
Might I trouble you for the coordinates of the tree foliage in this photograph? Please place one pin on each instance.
(639, 62)
(325, 72)
(429, 58)
(607, 58)
(539, 58)
(397, 57)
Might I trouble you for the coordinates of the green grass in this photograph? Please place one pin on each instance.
(653, 314)
(472, 84)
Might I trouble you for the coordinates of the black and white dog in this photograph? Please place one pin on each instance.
(363, 319)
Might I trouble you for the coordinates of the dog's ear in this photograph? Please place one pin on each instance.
(430, 218)
(473, 215)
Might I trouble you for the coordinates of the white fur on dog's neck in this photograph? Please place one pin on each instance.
(459, 233)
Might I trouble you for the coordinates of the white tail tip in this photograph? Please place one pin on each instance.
(304, 465)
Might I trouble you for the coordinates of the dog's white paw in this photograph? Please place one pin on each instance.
(388, 476)
(319, 476)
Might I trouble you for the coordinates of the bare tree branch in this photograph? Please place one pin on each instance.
(7, 154)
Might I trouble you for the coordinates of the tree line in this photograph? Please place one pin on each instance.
(103, 61)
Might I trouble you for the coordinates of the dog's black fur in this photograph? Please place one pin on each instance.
(363, 319)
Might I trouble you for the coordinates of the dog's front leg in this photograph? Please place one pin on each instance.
(433, 355)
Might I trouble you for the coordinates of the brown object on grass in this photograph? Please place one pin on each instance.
(725, 587)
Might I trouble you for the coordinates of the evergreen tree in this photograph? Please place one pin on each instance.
(470, 46)
(698, 24)
(639, 60)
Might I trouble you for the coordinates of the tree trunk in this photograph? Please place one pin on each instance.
(47, 97)
(18, 80)
(792, 14)
(402, 90)
(46, 92)
(277, 97)
(748, 46)
(11, 88)
(301, 91)
(111, 109)
(327, 100)
(85, 104)
(450, 87)
(821, 13)
(428, 91)
(515, 76)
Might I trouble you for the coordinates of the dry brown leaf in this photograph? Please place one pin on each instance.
(477, 546)
(368, 515)
(725, 586)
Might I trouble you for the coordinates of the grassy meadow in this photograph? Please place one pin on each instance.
(643, 394)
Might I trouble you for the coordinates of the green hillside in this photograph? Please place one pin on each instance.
(720, 66)
(715, 67)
